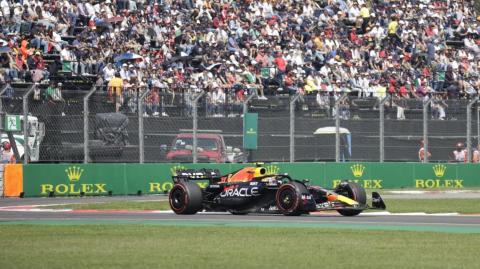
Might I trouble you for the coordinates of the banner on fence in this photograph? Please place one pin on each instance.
(123, 179)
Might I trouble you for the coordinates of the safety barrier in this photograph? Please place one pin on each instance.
(35, 180)
(2, 167)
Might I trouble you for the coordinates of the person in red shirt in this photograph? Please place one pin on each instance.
(421, 152)
(38, 60)
(280, 62)
(281, 65)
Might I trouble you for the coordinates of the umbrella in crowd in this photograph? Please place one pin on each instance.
(114, 19)
(127, 57)
(5, 49)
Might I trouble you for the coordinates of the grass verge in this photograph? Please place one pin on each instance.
(465, 206)
(117, 205)
(146, 246)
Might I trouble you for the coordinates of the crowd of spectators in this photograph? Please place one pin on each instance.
(229, 49)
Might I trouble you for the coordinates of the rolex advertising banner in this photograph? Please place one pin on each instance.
(73, 179)
(250, 130)
(123, 179)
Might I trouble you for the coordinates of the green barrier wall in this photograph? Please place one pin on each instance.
(121, 179)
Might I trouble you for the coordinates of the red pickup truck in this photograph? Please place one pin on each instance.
(210, 148)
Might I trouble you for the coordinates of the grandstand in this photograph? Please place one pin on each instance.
(169, 51)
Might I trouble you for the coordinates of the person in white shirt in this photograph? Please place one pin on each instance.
(89, 9)
(460, 153)
(108, 72)
(218, 100)
(124, 73)
(323, 101)
(5, 8)
(6, 153)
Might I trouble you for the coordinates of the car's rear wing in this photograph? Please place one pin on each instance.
(213, 175)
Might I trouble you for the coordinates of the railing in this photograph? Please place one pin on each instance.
(140, 125)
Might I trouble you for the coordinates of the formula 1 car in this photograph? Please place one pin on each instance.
(252, 189)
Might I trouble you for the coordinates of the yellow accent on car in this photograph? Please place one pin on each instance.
(260, 171)
(346, 200)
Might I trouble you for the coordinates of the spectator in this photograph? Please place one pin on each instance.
(108, 73)
(460, 153)
(323, 101)
(362, 44)
(218, 100)
(438, 107)
(476, 154)
(400, 103)
(421, 152)
(6, 154)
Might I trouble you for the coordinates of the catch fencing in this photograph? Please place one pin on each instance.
(140, 125)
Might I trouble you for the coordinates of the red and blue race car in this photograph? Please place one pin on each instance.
(253, 190)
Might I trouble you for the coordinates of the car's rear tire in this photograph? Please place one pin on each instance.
(185, 198)
(289, 198)
(353, 191)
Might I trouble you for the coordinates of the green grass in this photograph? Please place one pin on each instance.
(393, 205)
(118, 205)
(465, 206)
(144, 246)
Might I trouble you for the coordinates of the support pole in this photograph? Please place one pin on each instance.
(195, 127)
(292, 126)
(382, 128)
(86, 113)
(141, 136)
(469, 128)
(337, 127)
(426, 103)
(245, 103)
(26, 145)
(2, 114)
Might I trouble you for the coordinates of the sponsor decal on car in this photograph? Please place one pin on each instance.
(240, 192)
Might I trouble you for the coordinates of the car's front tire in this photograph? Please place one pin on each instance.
(185, 198)
(353, 191)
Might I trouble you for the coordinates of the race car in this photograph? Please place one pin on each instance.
(252, 189)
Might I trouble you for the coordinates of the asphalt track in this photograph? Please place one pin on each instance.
(19, 211)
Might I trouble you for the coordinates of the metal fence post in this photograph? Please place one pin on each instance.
(26, 148)
(382, 128)
(86, 114)
(292, 126)
(478, 124)
(245, 103)
(337, 127)
(141, 137)
(245, 111)
(469, 128)
(426, 103)
(195, 127)
(2, 91)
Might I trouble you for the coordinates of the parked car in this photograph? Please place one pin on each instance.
(210, 149)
